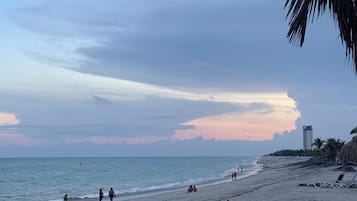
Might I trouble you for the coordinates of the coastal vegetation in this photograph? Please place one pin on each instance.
(348, 152)
(292, 152)
(329, 150)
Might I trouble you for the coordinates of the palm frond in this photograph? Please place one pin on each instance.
(344, 13)
(353, 131)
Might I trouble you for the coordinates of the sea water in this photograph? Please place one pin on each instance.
(37, 179)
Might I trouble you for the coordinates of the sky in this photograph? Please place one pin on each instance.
(167, 78)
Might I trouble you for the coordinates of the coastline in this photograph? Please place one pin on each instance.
(251, 167)
(278, 180)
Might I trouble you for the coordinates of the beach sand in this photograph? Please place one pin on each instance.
(278, 181)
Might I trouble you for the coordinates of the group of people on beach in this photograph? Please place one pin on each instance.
(191, 189)
(111, 195)
(234, 174)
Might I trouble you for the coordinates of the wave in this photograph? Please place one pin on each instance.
(250, 167)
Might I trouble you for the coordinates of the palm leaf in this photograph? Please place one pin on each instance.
(344, 13)
(353, 131)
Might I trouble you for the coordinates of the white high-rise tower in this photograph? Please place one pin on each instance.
(307, 137)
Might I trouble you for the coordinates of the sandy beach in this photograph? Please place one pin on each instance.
(278, 181)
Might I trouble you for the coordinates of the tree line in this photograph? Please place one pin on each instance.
(328, 148)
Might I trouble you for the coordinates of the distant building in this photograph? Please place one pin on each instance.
(307, 137)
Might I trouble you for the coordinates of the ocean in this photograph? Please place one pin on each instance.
(48, 179)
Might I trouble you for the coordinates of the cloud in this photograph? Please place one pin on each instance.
(66, 103)
(16, 139)
(80, 86)
(252, 125)
(8, 119)
(193, 147)
(132, 119)
(116, 140)
(9, 136)
(152, 72)
(99, 100)
(176, 43)
(150, 116)
(235, 45)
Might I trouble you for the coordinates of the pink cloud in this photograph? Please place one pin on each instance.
(11, 138)
(252, 125)
(116, 140)
(8, 119)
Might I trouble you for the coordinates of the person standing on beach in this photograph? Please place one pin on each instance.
(101, 194)
(190, 189)
(111, 194)
(235, 176)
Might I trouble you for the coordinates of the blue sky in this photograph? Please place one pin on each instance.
(84, 78)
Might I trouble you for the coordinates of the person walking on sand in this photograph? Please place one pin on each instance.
(111, 194)
(235, 176)
(101, 194)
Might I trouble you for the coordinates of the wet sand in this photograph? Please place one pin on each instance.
(278, 181)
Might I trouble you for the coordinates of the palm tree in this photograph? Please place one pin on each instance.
(318, 143)
(332, 148)
(339, 145)
(344, 13)
(348, 152)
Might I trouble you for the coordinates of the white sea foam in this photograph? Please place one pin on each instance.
(82, 177)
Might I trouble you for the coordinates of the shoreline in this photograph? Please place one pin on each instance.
(278, 180)
(254, 169)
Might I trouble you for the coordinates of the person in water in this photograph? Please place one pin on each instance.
(101, 194)
(65, 198)
(111, 194)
